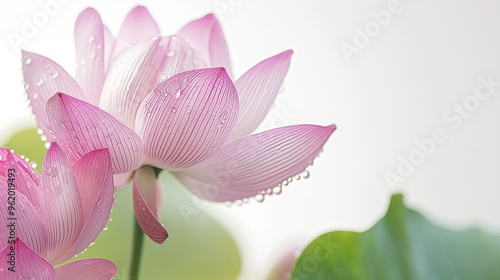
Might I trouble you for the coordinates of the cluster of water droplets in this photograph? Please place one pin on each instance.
(32, 163)
(261, 196)
(32, 91)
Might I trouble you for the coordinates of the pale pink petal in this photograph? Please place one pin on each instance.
(130, 77)
(62, 209)
(94, 177)
(28, 265)
(257, 89)
(206, 35)
(25, 219)
(145, 204)
(187, 117)
(87, 269)
(43, 78)
(95, 185)
(139, 25)
(80, 127)
(181, 56)
(109, 46)
(257, 162)
(121, 180)
(89, 45)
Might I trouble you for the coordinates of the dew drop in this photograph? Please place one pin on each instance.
(51, 171)
(177, 94)
(26, 86)
(52, 71)
(173, 109)
(99, 205)
(39, 81)
(35, 95)
(27, 60)
(278, 189)
(99, 46)
(56, 189)
(170, 53)
(305, 174)
(223, 118)
(91, 39)
(260, 197)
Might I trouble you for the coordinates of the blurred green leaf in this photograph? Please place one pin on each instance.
(28, 143)
(402, 245)
(197, 246)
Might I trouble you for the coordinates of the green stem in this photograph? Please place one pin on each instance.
(135, 261)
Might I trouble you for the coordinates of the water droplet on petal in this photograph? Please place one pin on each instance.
(52, 71)
(177, 94)
(278, 189)
(260, 197)
(39, 81)
(170, 53)
(173, 109)
(56, 189)
(35, 95)
(91, 39)
(27, 60)
(99, 205)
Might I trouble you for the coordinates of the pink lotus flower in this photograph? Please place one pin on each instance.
(153, 107)
(54, 216)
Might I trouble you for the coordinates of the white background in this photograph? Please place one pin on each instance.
(392, 93)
